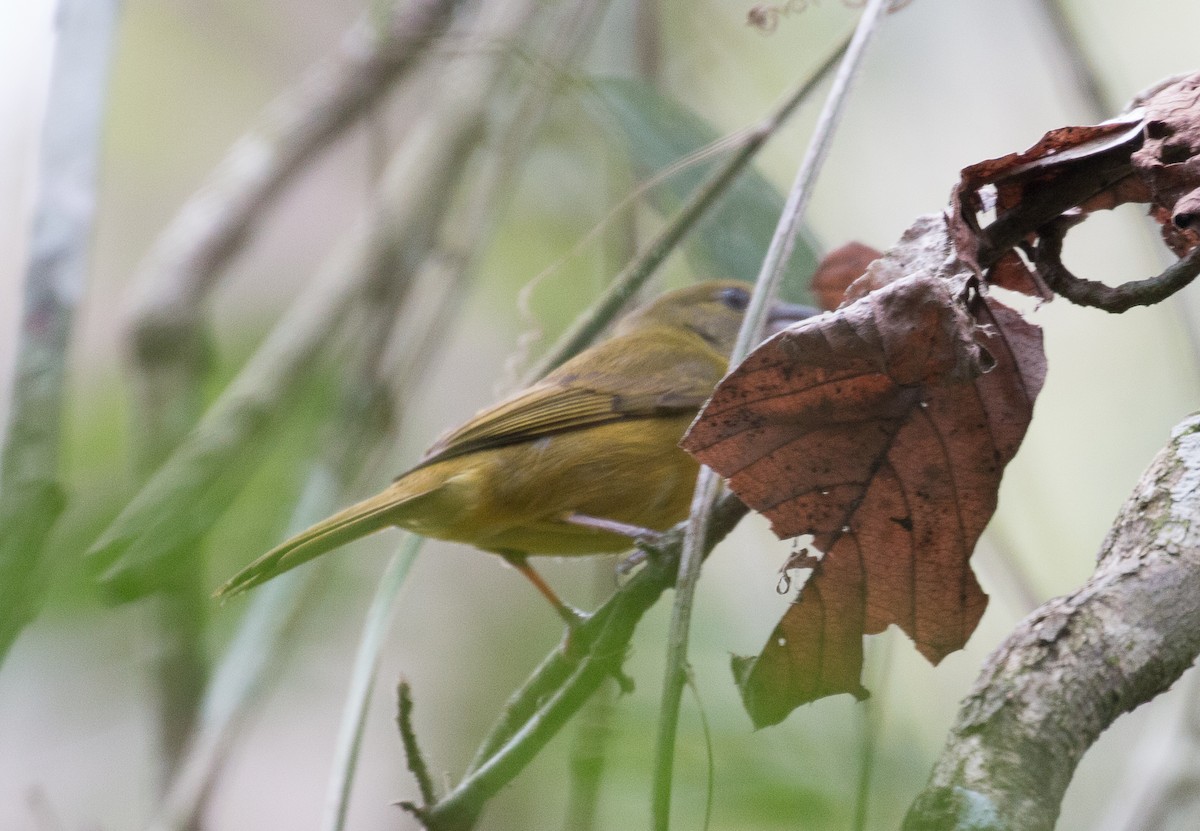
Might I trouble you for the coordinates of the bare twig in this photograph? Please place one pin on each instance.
(708, 484)
(1080, 661)
(1114, 299)
(31, 498)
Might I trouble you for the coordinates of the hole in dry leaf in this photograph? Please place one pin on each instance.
(1156, 129)
(1175, 153)
(1107, 246)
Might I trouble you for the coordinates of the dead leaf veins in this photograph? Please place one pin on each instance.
(882, 430)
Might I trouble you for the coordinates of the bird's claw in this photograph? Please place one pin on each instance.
(646, 545)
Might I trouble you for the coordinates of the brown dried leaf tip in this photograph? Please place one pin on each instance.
(1147, 155)
(838, 269)
(882, 430)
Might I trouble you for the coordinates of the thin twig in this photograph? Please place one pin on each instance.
(408, 737)
(31, 497)
(626, 284)
(1113, 299)
(708, 484)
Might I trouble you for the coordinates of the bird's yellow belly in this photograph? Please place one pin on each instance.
(517, 498)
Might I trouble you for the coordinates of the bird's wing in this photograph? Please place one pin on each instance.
(639, 375)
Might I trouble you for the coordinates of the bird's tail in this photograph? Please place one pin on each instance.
(358, 520)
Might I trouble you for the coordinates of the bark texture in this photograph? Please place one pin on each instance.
(1078, 662)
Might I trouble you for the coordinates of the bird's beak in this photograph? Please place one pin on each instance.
(783, 315)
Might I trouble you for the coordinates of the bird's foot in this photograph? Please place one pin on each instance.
(647, 544)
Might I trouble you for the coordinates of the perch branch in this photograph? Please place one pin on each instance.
(31, 497)
(1122, 298)
(565, 679)
(1078, 662)
(708, 483)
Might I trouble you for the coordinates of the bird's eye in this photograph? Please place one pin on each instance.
(735, 298)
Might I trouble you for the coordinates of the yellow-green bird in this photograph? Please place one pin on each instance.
(577, 463)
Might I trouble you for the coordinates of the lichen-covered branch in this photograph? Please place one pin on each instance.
(1080, 661)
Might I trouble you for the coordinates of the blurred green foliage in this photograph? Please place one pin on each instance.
(658, 132)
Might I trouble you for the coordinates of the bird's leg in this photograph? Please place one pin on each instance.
(572, 617)
(635, 532)
(645, 539)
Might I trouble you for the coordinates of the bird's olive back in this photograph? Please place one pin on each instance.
(712, 310)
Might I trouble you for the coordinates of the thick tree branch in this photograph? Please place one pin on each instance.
(1080, 661)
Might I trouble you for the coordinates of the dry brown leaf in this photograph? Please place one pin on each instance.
(838, 269)
(1169, 160)
(877, 430)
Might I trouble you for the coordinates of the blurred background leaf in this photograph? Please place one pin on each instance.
(658, 131)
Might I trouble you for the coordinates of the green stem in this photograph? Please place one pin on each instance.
(362, 682)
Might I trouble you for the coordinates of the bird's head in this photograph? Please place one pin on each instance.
(713, 310)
